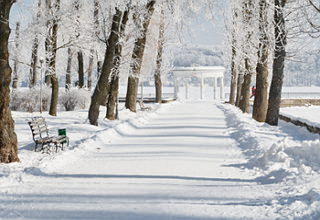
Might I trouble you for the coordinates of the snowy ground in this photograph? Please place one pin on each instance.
(193, 160)
(309, 115)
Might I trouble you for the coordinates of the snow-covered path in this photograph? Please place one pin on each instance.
(181, 164)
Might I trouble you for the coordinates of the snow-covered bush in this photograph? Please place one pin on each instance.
(75, 99)
(28, 100)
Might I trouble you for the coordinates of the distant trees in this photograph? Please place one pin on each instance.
(8, 138)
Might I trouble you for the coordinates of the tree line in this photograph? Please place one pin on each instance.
(260, 32)
(77, 28)
(65, 30)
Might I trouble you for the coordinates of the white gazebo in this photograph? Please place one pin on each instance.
(201, 72)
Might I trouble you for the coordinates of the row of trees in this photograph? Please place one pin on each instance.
(111, 34)
(259, 35)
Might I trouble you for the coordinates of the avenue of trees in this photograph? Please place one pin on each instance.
(106, 37)
(90, 36)
(259, 34)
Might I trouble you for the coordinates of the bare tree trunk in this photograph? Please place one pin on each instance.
(80, 70)
(48, 45)
(69, 66)
(34, 54)
(52, 46)
(113, 97)
(15, 65)
(47, 78)
(157, 75)
(8, 138)
(90, 69)
(234, 74)
(234, 67)
(278, 64)
(54, 95)
(260, 105)
(114, 84)
(245, 90)
(100, 93)
(239, 87)
(34, 61)
(244, 104)
(137, 57)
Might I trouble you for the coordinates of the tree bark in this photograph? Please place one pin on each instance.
(157, 75)
(260, 105)
(51, 56)
(244, 104)
(15, 64)
(239, 87)
(114, 84)
(234, 67)
(34, 54)
(245, 90)
(278, 64)
(68, 73)
(8, 138)
(34, 61)
(234, 73)
(100, 93)
(80, 70)
(113, 97)
(136, 61)
(90, 69)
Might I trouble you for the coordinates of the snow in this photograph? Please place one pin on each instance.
(183, 160)
(309, 114)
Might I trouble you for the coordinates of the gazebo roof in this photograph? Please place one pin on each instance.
(200, 71)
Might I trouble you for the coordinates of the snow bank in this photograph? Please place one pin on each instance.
(269, 148)
(308, 115)
(287, 155)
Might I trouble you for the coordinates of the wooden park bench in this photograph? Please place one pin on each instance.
(40, 134)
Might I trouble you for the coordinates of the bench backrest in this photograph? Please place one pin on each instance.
(38, 128)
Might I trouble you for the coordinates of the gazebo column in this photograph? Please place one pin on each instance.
(221, 88)
(201, 87)
(187, 90)
(215, 97)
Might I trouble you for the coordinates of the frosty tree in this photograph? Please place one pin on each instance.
(8, 138)
(260, 105)
(278, 63)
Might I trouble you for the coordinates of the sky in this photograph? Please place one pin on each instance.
(205, 32)
(200, 31)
